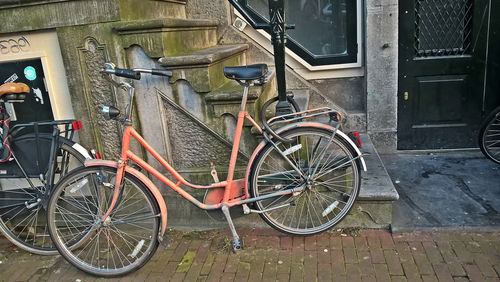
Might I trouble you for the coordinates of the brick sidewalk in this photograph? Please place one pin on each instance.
(350, 255)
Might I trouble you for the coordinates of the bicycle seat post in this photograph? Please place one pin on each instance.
(246, 86)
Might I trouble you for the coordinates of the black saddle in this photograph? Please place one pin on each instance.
(252, 72)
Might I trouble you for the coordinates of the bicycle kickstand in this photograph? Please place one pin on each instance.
(236, 243)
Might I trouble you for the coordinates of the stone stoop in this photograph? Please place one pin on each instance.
(373, 208)
(203, 69)
(169, 36)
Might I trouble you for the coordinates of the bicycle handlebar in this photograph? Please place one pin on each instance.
(135, 73)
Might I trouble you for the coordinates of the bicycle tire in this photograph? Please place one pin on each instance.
(326, 200)
(129, 235)
(27, 233)
(489, 136)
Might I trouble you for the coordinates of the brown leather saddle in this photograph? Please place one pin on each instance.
(14, 91)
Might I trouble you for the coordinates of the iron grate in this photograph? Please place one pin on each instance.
(443, 27)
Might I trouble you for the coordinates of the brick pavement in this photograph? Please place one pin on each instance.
(340, 255)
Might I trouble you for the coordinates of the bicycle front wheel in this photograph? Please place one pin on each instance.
(22, 200)
(120, 244)
(489, 136)
(327, 170)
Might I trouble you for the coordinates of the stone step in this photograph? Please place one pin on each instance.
(203, 69)
(373, 208)
(168, 36)
(133, 9)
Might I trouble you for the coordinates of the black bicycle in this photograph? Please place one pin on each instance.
(489, 136)
(33, 157)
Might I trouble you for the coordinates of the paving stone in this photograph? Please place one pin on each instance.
(473, 272)
(361, 243)
(386, 240)
(442, 272)
(398, 279)
(297, 272)
(432, 252)
(365, 263)
(353, 272)
(286, 242)
(393, 262)
(484, 265)
(429, 278)
(284, 261)
(310, 243)
(411, 271)
(336, 242)
(348, 242)
(373, 242)
(310, 266)
(350, 255)
(324, 272)
(323, 241)
(377, 255)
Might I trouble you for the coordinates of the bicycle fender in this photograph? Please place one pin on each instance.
(81, 150)
(144, 179)
(339, 133)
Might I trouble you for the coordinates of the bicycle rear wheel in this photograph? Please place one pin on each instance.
(124, 242)
(330, 192)
(22, 211)
(489, 136)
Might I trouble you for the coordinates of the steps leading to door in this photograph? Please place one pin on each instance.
(168, 37)
(203, 69)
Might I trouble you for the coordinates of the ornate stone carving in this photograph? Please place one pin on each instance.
(99, 92)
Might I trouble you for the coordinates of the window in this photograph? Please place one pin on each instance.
(325, 32)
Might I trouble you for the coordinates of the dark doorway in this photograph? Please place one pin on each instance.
(37, 105)
(442, 55)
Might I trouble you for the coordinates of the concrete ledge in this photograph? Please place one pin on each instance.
(376, 184)
(203, 57)
(143, 25)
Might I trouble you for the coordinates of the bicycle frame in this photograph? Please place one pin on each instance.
(230, 199)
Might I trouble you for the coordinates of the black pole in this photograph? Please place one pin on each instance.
(278, 38)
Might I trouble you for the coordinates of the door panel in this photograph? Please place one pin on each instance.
(441, 72)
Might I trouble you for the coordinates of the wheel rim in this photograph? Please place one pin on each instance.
(327, 198)
(120, 244)
(22, 208)
(491, 139)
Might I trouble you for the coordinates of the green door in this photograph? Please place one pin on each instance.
(442, 50)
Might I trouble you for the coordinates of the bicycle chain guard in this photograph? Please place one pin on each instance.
(215, 196)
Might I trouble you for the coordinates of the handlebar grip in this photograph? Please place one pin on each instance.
(161, 72)
(127, 73)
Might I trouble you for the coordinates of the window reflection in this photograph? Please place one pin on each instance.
(321, 26)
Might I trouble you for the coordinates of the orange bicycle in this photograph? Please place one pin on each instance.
(302, 179)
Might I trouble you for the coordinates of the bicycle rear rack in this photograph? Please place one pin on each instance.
(301, 116)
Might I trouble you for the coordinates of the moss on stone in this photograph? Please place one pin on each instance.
(186, 262)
